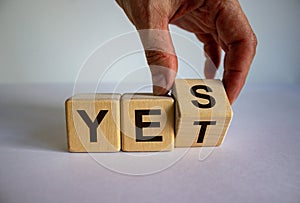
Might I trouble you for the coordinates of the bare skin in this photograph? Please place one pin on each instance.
(219, 24)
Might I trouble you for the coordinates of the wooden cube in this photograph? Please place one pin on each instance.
(93, 123)
(203, 112)
(147, 122)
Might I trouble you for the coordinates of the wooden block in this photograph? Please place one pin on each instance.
(203, 112)
(93, 123)
(147, 122)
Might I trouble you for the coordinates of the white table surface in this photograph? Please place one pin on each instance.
(258, 162)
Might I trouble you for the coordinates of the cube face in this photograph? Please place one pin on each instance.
(147, 122)
(203, 112)
(93, 123)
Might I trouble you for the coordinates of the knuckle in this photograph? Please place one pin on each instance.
(155, 57)
(253, 40)
(163, 59)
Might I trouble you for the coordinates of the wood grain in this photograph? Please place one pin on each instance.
(203, 112)
(82, 111)
(140, 110)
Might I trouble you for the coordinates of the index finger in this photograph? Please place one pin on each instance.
(239, 43)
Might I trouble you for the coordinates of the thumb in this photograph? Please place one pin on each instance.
(160, 56)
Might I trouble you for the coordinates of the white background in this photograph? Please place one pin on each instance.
(48, 40)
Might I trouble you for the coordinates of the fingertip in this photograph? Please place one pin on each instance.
(230, 94)
(233, 88)
(162, 79)
(159, 91)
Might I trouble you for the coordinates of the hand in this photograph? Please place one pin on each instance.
(218, 24)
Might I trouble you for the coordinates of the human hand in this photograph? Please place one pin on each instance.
(219, 24)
